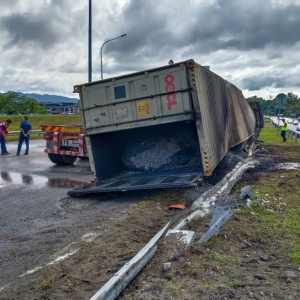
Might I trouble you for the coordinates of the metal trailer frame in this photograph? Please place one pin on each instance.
(56, 131)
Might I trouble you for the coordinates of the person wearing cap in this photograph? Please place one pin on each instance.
(3, 133)
(284, 129)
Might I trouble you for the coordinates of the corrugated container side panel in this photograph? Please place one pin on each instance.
(137, 100)
(227, 118)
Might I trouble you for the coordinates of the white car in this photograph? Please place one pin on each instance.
(298, 127)
(289, 121)
(296, 122)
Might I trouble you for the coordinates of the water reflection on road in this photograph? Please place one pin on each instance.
(37, 181)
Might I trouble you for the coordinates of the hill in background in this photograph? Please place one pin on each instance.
(49, 98)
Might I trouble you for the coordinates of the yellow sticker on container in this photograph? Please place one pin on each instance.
(70, 129)
(143, 108)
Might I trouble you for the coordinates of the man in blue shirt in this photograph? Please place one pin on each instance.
(24, 135)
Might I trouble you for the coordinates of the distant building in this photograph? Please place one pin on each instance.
(61, 108)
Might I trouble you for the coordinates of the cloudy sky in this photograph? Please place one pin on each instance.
(254, 44)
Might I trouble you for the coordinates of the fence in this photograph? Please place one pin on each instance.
(290, 133)
(39, 132)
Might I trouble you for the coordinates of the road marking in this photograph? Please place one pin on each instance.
(61, 258)
(30, 271)
(2, 288)
(61, 255)
(89, 237)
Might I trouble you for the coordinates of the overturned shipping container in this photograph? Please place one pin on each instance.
(161, 127)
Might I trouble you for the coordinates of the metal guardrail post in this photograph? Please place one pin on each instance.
(296, 137)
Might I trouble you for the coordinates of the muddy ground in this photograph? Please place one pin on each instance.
(226, 267)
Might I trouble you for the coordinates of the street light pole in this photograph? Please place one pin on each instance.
(101, 51)
(90, 40)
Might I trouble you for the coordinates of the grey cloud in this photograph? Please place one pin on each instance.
(9, 71)
(225, 25)
(8, 3)
(270, 79)
(25, 28)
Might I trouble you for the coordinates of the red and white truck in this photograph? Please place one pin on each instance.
(64, 143)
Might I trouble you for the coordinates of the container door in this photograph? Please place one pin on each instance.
(142, 183)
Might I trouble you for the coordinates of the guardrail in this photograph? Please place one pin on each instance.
(32, 132)
(290, 133)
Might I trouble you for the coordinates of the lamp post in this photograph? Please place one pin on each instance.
(101, 51)
(90, 41)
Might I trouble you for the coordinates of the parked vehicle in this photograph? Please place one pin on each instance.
(296, 122)
(64, 143)
(162, 127)
(290, 121)
(298, 127)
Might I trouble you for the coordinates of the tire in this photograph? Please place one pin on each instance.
(66, 159)
(53, 157)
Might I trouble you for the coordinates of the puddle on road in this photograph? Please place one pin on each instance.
(67, 183)
(15, 179)
(37, 181)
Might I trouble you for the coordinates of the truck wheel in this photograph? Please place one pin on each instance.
(53, 157)
(66, 159)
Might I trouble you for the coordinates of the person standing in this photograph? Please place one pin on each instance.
(284, 128)
(24, 135)
(3, 133)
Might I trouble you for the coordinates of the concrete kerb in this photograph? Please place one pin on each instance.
(126, 274)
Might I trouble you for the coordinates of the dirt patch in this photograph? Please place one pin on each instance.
(224, 268)
(249, 259)
(100, 255)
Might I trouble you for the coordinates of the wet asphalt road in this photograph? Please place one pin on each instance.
(37, 218)
(290, 126)
(30, 185)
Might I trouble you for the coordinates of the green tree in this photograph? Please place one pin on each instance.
(14, 103)
(293, 105)
(267, 106)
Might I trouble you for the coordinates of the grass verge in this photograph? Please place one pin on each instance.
(272, 140)
(279, 213)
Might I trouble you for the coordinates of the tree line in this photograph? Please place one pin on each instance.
(292, 107)
(12, 103)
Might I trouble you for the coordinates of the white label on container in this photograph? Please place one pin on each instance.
(121, 112)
